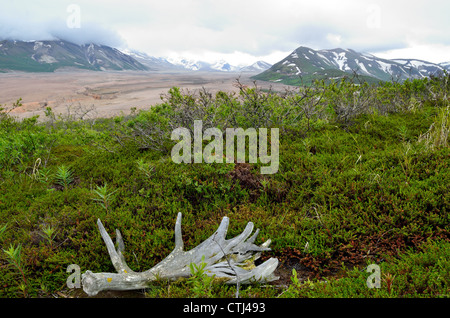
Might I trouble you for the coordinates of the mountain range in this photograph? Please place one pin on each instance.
(162, 64)
(49, 56)
(304, 65)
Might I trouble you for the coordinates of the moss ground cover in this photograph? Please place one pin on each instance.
(370, 187)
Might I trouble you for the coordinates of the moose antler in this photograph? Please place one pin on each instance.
(231, 260)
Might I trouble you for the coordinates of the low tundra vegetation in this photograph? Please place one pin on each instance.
(363, 179)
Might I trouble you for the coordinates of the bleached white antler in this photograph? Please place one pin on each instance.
(232, 260)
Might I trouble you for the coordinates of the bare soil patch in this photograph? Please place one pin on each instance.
(108, 93)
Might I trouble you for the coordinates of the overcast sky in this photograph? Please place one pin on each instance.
(239, 31)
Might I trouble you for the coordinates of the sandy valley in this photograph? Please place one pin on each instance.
(107, 93)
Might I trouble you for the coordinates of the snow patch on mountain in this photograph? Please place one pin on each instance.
(386, 67)
(341, 60)
(445, 65)
(186, 64)
(326, 60)
(362, 67)
(258, 66)
(224, 66)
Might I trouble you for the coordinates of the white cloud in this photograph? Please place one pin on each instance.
(240, 29)
(334, 39)
(436, 53)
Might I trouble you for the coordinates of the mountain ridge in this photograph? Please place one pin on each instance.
(304, 65)
(53, 55)
(48, 56)
(220, 65)
(181, 63)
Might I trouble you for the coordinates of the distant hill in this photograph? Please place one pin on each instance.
(49, 56)
(197, 65)
(219, 66)
(256, 67)
(305, 65)
(151, 62)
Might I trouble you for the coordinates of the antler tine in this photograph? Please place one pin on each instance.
(179, 245)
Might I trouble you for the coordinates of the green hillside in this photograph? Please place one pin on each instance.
(22, 62)
(328, 76)
(48, 56)
(363, 180)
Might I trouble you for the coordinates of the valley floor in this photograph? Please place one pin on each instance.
(107, 93)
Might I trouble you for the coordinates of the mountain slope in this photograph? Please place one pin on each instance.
(48, 56)
(152, 63)
(305, 65)
(258, 66)
(197, 65)
(445, 65)
(218, 66)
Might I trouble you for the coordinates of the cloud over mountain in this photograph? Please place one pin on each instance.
(21, 24)
(252, 29)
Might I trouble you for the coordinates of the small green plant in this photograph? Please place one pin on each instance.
(389, 280)
(14, 257)
(293, 291)
(406, 156)
(3, 229)
(145, 168)
(200, 281)
(103, 196)
(49, 233)
(264, 183)
(44, 175)
(403, 132)
(64, 176)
